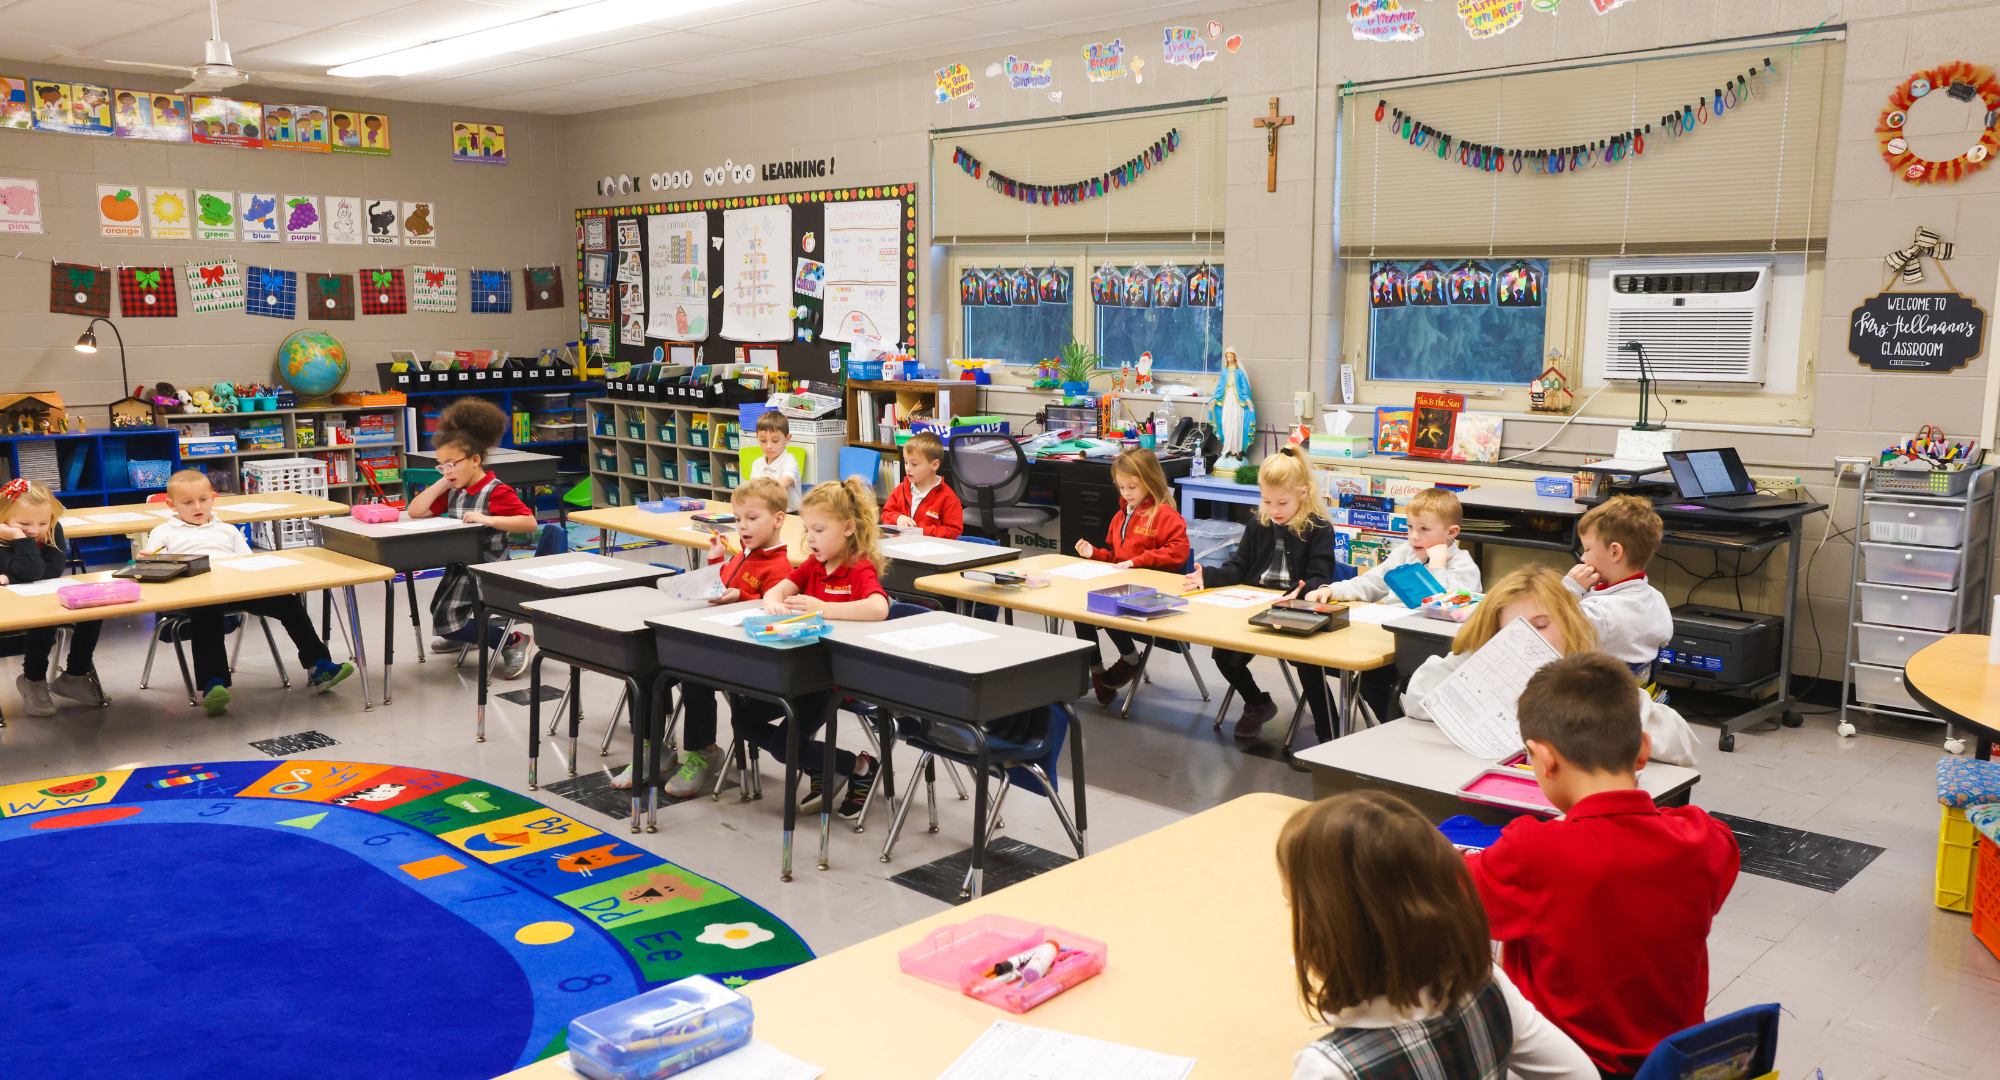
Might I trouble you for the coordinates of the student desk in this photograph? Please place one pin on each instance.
(406, 546)
(1413, 759)
(1951, 678)
(1356, 648)
(678, 528)
(1242, 1020)
(317, 569)
(514, 468)
(995, 671)
(610, 629)
(709, 648)
(906, 566)
(506, 586)
(1215, 489)
(75, 526)
(1418, 638)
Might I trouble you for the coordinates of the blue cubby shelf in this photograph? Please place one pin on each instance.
(430, 403)
(94, 472)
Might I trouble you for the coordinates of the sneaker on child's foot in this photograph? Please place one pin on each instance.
(622, 780)
(445, 645)
(810, 804)
(329, 675)
(1107, 682)
(1253, 718)
(81, 688)
(514, 655)
(697, 771)
(858, 787)
(216, 701)
(35, 699)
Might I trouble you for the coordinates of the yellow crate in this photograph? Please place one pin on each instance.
(1955, 861)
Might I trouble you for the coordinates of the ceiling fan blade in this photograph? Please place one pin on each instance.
(289, 78)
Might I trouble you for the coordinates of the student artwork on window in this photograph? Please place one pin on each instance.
(993, 290)
(1169, 286)
(1179, 337)
(1204, 286)
(970, 294)
(1027, 319)
(1107, 286)
(1139, 287)
(1021, 287)
(1053, 285)
(1429, 325)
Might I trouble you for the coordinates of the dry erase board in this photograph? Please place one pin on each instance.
(752, 272)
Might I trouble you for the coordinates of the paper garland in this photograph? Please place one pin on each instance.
(434, 289)
(330, 297)
(147, 292)
(216, 285)
(75, 289)
(492, 292)
(221, 285)
(382, 291)
(271, 293)
(1961, 81)
(1608, 150)
(1079, 191)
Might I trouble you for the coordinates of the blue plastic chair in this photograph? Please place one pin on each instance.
(1752, 1031)
(862, 462)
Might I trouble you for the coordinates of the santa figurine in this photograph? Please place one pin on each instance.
(1142, 376)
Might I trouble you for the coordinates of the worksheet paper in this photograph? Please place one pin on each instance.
(1475, 705)
(259, 562)
(1233, 598)
(1085, 571)
(38, 588)
(567, 570)
(733, 618)
(695, 584)
(161, 513)
(421, 524)
(1376, 614)
(253, 507)
(914, 550)
(932, 637)
(1010, 1051)
(754, 1060)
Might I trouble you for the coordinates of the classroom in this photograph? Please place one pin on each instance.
(995, 539)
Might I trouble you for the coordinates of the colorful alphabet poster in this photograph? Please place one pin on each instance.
(953, 82)
(1383, 20)
(118, 212)
(167, 216)
(757, 271)
(677, 281)
(360, 133)
(20, 205)
(478, 144)
(434, 289)
(1490, 18)
(383, 215)
(259, 213)
(214, 214)
(145, 114)
(72, 108)
(1183, 46)
(214, 285)
(296, 127)
(1104, 62)
(419, 226)
(220, 121)
(15, 112)
(1028, 74)
(343, 219)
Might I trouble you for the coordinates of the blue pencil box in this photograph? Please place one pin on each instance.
(1412, 583)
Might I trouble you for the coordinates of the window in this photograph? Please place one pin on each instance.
(1020, 315)
(1473, 321)
(1175, 315)
(1164, 300)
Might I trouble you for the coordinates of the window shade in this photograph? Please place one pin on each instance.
(1760, 170)
(1177, 199)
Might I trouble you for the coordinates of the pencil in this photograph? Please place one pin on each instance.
(772, 628)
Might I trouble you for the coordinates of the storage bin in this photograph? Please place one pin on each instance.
(670, 471)
(1916, 523)
(1986, 896)
(663, 1031)
(957, 957)
(556, 432)
(636, 429)
(1883, 686)
(667, 433)
(607, 462)
(1955, 865)
(545, 401)
(1106, 601)
(1891, 646)
(1924, 609)
(1925, 568)
(638, 466)
(1920, 481)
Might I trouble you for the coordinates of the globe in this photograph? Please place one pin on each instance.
(312, 363)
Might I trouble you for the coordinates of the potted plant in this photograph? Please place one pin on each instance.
(1076, 365)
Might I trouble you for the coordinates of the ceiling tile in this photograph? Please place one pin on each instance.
(70, 17)
(1029, 14)
(432, 20)
(303, 12)
(444, 91)
(323, 49)
(767, 64)
(546, 71)
(661, 49)
(636, 83)
(1001, 40)
(546, 97)
(924, 35)
(476, 65)
(183, 39)
(838, 67)
(811, 20)
(709, 12)
(37, 47)
(717, 86)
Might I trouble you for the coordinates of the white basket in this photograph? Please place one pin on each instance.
(278, 535)
(307, 476)
(816, 428)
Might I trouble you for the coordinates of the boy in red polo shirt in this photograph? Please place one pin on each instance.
(922, 500)
(1604, 913)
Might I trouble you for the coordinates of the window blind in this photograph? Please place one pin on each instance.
(1761, 170)
(1177, 199)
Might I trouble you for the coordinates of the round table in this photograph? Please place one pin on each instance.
(1952, 679)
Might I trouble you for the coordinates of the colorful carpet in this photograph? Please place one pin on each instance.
(327, 918)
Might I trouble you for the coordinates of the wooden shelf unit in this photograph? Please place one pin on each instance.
(962, 398)
(657, 454)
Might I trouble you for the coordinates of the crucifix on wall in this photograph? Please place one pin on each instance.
(1271, 124)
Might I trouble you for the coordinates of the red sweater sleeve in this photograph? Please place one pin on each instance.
(898, 504)
(1499, 873)
(951, 515)
(1169, 550)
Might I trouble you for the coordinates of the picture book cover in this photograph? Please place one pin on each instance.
(360, 133)
(1434, 424)
(14, 109)
(1392, 429)
(144, 114)
(1477, 437)
(478, 144)
(71, 108)
(220, 121)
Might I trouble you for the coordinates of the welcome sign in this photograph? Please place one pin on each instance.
(1940, 331)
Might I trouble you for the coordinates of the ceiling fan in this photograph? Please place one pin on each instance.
(219, 73)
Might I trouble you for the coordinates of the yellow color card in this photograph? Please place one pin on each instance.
(522, 834)
(61, 793)
(309, 781)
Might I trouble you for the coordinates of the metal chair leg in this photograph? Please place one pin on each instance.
(1290, 683)
(903, 809)
(930, 792)
(152, 646)
(1227, 697)
(951, 770)
(1188, 655)
(187, 673)
(993, 822)
(1138, 676)
(236, 647)
(1062, 812)
(272, 640)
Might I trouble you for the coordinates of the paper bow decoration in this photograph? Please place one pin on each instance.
(147, 279)
(329, 282)
(1909, 261)
(273, 280)
(212, 275)
(492, 279)
(382, 278)
(434, 278)
(81, 279)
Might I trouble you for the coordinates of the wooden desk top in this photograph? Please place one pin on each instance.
(1417, 753)
(1357, 648)
(1952, 679)
(296, 506)
(679, 527)
(1240, 1018)
(317, 569)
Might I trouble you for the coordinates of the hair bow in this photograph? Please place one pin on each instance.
(1909, 261)
(14, 489)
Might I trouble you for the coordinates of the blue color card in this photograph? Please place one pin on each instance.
(492, 292)
(271, 293)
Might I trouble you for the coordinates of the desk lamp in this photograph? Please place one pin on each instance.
(1645, 386)
(87, 343)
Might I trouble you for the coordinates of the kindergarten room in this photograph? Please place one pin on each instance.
(998, 540)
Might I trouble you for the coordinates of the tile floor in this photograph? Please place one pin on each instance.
(1878, 982)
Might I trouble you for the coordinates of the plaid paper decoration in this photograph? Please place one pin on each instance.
(330, 297)
(382, 292)
(544, 285)
(147, 292)
(434, 289)
(492, 292)
(271, 293)
(215, 286)
(75, 289)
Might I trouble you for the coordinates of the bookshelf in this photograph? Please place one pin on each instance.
(572, 451)
(962, 399)
(641, 451)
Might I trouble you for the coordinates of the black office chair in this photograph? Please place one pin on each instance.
(989, 473)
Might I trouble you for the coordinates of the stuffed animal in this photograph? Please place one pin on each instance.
(200, 401)
(225, 396)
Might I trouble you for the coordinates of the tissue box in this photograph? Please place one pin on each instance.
(375, 513)
(97, 594)
(1341, 446)
(663, 1031)
(1647, 445)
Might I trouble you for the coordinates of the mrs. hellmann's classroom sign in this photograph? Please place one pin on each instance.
(1938, 331)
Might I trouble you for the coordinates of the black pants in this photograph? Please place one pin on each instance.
(1126, 644)
(211, 657)
(697, 716)
(42, 639)
(1235, 667)
(763, 724)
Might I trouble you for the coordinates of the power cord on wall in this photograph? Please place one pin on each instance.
(1559, 428)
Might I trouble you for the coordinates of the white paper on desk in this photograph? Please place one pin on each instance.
(754, 1060)
(567, 570)
(695, 584)
(420, 524)
(1376, 614)
(113, 519)
(733, 618)
(38, 588)
(161, 513)
(929, 548)
(1010, 1051)
(259, 562)
(253, 507)
(931, 637)
(1475, 705)
(1084, 571)
(1233, 598)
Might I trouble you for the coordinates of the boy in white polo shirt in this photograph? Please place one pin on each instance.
(194, 530)
(1632, 619)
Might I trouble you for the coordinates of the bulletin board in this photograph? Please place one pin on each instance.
(864, 220)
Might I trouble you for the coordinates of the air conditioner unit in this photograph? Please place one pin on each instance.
(1698, 323)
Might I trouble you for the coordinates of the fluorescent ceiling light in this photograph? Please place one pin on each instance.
(541, 30)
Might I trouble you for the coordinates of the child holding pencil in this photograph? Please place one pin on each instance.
(1146, 531)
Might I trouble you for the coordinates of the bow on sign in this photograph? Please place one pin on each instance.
(146, 279)
(81, 279)
(492, 279)
(274, 280)
(434, 278)
(382, 278)
(1909, 261)
(212, 275)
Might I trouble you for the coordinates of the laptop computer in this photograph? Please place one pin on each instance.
(1716, 479)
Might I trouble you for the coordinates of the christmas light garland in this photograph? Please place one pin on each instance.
(1079, 191)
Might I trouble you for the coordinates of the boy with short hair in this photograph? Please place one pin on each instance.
(1435, 517)
(194, 530)
(923, 500)
(1632, 619)
(1603, 914)
(774, 437)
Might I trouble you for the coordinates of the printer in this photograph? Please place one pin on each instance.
(1723, 645)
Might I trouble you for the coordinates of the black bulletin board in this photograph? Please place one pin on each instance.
(803, 360)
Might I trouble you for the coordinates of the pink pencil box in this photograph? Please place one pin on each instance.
(85, 594)
(376, 513)
(961, 956)
(1502, 785)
